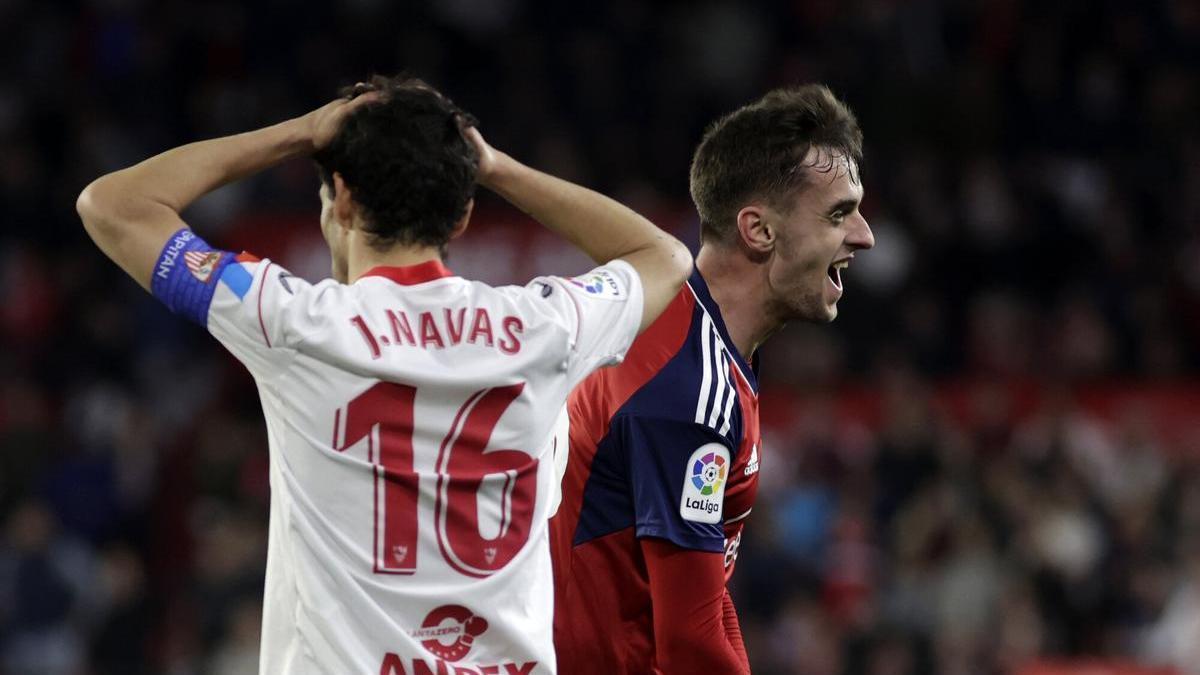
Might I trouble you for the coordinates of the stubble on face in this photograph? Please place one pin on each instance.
(810, 238)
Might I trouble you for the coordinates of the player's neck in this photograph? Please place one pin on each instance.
(362, 258)
(738, 288)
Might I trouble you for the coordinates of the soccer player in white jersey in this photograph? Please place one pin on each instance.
(410, 412)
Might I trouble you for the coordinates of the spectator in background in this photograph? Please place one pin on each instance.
(42, 576)
(1039, 162)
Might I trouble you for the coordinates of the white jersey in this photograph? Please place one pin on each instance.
(411, 421)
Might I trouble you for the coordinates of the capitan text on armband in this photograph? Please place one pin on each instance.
(170, 255)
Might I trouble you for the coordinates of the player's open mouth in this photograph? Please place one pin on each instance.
(835, 272)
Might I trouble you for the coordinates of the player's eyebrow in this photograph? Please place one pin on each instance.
(844, 206)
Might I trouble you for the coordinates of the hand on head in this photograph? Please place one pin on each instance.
(489, 157)
(324, 122)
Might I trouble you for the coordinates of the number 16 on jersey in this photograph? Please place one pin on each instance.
(500, 484)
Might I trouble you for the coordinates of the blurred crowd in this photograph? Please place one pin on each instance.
(1033, 179)
(971, 542)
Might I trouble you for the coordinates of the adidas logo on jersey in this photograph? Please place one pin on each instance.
(752, 465)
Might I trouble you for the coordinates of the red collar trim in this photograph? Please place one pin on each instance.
(410, 275)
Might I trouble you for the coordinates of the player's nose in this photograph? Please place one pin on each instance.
(861, 237)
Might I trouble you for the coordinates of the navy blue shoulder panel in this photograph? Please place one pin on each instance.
(640, 472)
(695, 385)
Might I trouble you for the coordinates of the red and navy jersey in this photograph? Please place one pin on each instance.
(664, 445)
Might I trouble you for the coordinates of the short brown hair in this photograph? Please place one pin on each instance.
(756, 151)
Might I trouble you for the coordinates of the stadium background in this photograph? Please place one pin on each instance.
(990, 461)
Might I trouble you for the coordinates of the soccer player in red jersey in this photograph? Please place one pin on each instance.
(664, 451)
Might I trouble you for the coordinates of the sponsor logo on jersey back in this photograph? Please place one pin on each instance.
(449, 631)
(704, 484)
(600, 283)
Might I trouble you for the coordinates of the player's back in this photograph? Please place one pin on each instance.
(410, 417)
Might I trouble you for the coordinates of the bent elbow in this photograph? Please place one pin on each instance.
(678, 259)
(87, 205)
(96, 208)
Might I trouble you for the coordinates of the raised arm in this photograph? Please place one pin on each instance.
(131, 213)
(601, 227)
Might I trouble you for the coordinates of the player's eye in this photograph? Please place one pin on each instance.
(837, 217)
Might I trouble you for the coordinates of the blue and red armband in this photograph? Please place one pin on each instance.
(187, 272)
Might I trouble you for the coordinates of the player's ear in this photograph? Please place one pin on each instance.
(755, 232)
(344, 208)
(461, 225)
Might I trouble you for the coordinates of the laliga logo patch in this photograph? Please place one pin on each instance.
(449, 631)
(202, 263)
(704, 484)
(708, 473)
(594, 285)
(600, 283)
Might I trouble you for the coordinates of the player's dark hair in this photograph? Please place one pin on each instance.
(406, 162)
(758, 152)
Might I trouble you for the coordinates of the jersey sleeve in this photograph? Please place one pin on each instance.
(601, 311)
(692, 612)
(246, 303)
(678, 472)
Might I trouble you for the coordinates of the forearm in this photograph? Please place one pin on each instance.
(733, 631)
(602, 227)
(126, 212)
(180, 176)
(688, 594)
